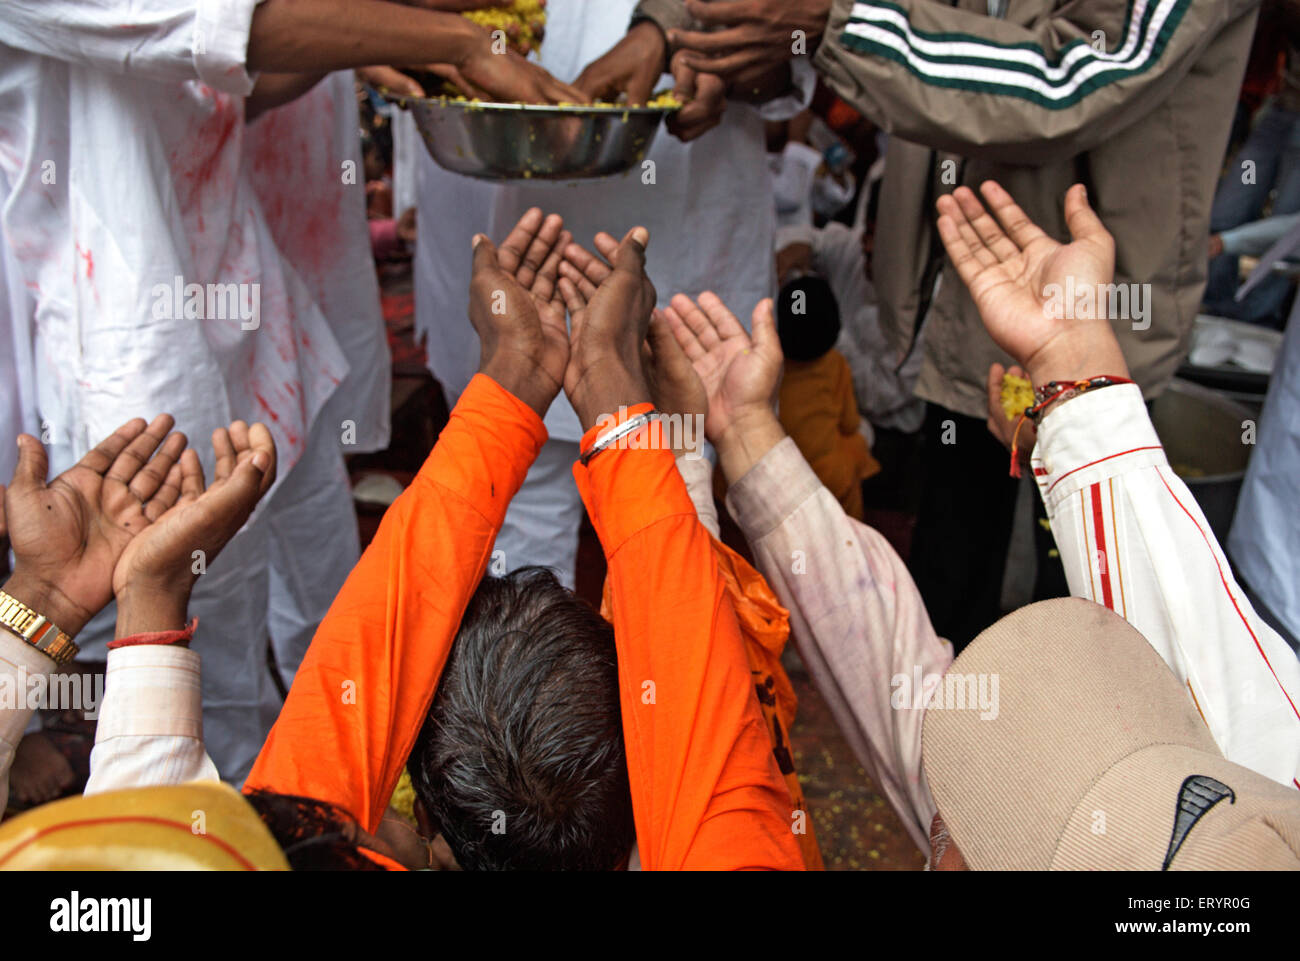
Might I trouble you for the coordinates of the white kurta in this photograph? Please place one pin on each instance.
(121, 140)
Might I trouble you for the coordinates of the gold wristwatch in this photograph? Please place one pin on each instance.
(36, 630)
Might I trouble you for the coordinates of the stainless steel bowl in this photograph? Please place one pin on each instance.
(511, 141)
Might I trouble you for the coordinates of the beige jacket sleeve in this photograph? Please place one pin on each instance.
(1036, 91)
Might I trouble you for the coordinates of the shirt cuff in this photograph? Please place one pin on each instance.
(632, 484)
(1082, 440)
(19, 662)
(772, 490)
(220, 45)
(151, 691)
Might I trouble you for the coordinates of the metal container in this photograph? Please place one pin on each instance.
(514, 141)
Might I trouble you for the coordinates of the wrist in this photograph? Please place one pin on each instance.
(1077, 356)
(147, 608)
(746, 439)
(522, 377)
(606, 387)
(47, 600)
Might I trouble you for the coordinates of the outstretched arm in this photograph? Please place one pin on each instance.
(855, 614)
(67, 535)
(706, 790)
(365, 686)
(1130, 533)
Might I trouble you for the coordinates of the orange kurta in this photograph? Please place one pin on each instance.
(706, 791)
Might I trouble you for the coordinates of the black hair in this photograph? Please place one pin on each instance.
(807, 318)
(314, 835)
(520, 763)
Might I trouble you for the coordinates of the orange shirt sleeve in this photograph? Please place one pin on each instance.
(365, 686)
(706, 790)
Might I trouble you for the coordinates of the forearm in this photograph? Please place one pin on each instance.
(706, 790)
(275, 90)
(348, 725)
(20, 663)
(1132, 538)
(857, 618)
(313, 36)
(150, 725)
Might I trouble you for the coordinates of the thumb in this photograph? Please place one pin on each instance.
(33, 465)
(683, 79)
(485, 254)
(630, 255)
(763, 324)
(1082, 220)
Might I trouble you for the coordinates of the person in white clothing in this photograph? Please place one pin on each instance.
(154, 274)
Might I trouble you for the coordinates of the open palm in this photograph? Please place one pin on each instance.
(1017, 275)
(739, 372)
(69, 533)
(203, 518)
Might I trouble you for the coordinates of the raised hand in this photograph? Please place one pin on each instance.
(515, 308)
(67, 535)
(156, 572)
(741, 374)
(1019, 278)
(609, 323)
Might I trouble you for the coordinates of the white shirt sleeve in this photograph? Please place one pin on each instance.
(162, 40)
(1132, 538)
(19, 661)
(151, 722)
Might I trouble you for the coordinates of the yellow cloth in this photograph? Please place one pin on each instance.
(818, 410)
(200, 826)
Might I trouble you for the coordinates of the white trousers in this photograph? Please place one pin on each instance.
(541, 526)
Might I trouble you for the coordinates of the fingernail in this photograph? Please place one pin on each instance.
(475, 240)
(641, 236)
(260, 461)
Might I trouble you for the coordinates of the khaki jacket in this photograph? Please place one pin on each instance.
(1030, 100)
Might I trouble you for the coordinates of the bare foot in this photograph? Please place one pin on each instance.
(39, 772)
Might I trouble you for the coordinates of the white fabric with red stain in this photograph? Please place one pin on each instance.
(121, 141)
(304, 160)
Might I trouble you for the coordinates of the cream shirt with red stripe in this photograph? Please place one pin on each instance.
(1133, 538)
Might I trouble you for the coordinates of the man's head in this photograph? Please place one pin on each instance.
(807, 318)
(521, 764)
(1096, 757)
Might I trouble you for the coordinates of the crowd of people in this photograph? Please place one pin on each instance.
(867, 222)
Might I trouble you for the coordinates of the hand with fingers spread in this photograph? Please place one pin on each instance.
(515, 308)
(741, 375)
(1018, 277)
(68, 534)
(156, 572)
(609, 319)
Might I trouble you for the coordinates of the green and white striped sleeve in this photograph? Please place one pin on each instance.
(1021, 93)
